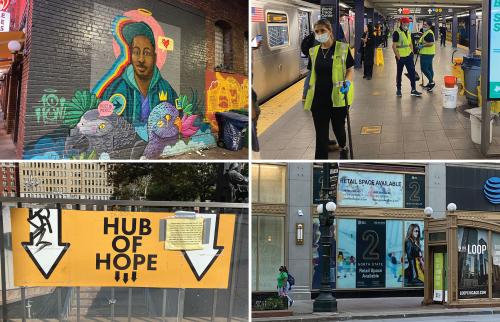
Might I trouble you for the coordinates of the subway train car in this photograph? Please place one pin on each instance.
(278, 63)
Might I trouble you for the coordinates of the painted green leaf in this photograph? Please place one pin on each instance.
(81, 102)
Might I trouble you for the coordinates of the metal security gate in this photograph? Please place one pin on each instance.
(122, 303)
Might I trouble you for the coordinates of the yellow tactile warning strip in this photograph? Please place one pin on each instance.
(377, 129)
(273, 109)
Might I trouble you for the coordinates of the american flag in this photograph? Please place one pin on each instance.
(257, 14)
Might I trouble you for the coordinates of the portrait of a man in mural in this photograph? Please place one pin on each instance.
(141, 84)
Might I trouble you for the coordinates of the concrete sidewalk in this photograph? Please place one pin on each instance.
(384, 308)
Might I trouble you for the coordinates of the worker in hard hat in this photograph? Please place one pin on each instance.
(403, 50)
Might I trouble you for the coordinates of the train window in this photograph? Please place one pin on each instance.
(277, 30)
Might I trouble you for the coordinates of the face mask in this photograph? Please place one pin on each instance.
(426, 28)
(323, 38)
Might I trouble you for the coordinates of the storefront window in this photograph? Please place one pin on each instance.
(268, 248)
(472, 263)
(268, 182)
(377, 253)
(496, 265)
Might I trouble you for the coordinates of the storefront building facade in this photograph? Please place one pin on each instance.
(379, 229)
(463, 266)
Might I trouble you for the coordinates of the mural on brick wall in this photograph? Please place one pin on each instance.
(224, 92)
(133, 110)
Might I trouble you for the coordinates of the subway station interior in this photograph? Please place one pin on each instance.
(445, 123)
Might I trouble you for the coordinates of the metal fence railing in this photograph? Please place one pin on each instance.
(127, 304)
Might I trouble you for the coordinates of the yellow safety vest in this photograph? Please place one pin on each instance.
(339, 58)
(431, 50)
(403, 44)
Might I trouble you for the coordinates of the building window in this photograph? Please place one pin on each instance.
(268, 250)
(223, 46)
(268, 183)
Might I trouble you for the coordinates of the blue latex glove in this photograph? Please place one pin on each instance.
(420, 46)
(345, 88)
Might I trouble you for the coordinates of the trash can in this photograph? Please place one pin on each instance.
(475, 125)
(472, 71)
(232, 130)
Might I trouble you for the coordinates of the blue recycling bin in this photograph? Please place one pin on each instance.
(232, 129)
(472, 73)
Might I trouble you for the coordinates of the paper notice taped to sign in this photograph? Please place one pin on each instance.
(184, 234)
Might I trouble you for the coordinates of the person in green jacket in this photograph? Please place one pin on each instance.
(283, 285)
(141, 83)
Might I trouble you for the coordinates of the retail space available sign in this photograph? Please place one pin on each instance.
(379, 189)
(121, 249)
(494, 51)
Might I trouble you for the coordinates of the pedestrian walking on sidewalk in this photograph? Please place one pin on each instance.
(427, 49)
(369, 40)
(325, 96)
(283, 284)
(403, 50)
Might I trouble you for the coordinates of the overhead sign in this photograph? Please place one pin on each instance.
(118, 249)
(494, 51)
(424, 11)
(4, 21)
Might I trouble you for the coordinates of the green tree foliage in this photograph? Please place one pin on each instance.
(167, 181)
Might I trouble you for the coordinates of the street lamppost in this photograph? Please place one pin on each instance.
(325, 302)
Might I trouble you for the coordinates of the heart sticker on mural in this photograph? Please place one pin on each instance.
(4, 4)
(166, 44)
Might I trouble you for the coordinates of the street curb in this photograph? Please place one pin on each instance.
(346, 317)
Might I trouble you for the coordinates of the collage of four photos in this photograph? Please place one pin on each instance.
(249, 160)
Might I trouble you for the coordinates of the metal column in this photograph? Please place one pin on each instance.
(436, 29)
(485, 106)
(454, 30)
(2, 263)
(369, 14)
(472, 32)
(359, 27)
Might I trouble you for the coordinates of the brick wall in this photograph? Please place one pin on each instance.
(69, 52)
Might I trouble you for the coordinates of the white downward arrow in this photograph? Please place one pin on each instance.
(201, 260)
(45, 247)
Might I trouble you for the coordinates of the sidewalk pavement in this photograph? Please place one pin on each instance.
(384, 308)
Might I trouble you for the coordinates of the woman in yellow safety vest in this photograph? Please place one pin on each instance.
(427, 49)
(332, 63)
